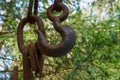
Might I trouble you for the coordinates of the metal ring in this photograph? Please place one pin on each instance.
(21, 45)
(62, 17)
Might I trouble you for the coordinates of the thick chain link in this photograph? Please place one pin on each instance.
(31, 55)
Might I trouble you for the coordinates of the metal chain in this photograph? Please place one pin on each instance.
(36, 50)
(30, 7)
(36, 7)
(57, 1)
(32, 57)
(57, 5)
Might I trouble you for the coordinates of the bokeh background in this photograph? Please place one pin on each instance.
(96, 55)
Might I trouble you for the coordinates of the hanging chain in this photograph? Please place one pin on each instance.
(30, 11)
(32, 58)
(33, 53)
(30, 8)
(35, 7)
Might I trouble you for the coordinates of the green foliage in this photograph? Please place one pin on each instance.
(96, 55)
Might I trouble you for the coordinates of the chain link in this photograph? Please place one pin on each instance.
(35, 7)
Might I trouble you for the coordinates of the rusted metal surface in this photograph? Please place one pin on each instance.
(21, 25)
(67, 34)
(32, 53)
(14, 75)
(57, 5)
(61, 17)
(35, 61)
(27, 72)
(32, 58)
(36, 58)
(40, 61)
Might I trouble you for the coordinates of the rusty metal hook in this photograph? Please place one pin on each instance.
(67, 33)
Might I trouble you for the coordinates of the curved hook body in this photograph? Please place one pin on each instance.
(68, 41)
(67, 33)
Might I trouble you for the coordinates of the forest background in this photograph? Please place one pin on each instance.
(96, 55)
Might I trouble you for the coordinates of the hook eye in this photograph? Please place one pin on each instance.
(21, 45)
(62, 17)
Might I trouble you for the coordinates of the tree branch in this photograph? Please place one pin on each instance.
(1, 33)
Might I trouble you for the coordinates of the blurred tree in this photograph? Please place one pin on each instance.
(96, 55)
